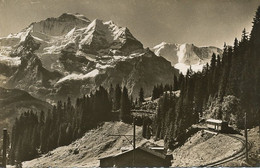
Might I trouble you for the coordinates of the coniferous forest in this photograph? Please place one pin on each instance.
(226, 89)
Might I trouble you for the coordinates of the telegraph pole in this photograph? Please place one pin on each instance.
(133, 141)
(246, 137)
(4, 147)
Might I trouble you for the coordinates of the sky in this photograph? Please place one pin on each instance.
(201, 22)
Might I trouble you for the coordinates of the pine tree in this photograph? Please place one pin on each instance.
(111, 92)
(175, 83)
(125, 107)
(244, 36)
(211, 84)
(227, 60)
(141, 96)
(155, 93)
(144, 127)
(117, 97)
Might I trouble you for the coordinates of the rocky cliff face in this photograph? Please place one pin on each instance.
(143, 70)
(71, 56)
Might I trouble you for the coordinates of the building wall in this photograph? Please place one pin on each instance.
(106, 162)
(215, 126)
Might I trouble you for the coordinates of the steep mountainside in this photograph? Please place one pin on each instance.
(13, 102)
(71, 55)
(182, 56)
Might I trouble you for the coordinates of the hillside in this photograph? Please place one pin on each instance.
(200, 149)
(205, 148)
(254, 152)
(85, 151)
(13, 102)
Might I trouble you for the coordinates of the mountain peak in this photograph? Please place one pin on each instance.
(96, 24)
(110, 22)
(70, 16)
(164, 44)
(60, 25)
(103, 35)
(160, 45)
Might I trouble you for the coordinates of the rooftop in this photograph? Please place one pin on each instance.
(153, 152)
(214, 121)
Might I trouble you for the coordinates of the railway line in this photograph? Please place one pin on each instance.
(237, 155)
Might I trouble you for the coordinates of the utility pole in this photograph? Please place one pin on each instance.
(4, 147)
(133, 133)
(133, 141)
(246, 137)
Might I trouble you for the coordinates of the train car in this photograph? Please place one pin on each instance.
(217, 125)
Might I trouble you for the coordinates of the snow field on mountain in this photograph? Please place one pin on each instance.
(10, 61)
(183, 68)
(73, 76)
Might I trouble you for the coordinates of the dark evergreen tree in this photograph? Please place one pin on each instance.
(125, 107)
(141, 96)
(117, 97)
(111, 93)
(175, 83)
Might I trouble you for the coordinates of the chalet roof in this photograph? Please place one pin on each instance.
(214, 121)
(157, 148)
(153, 152)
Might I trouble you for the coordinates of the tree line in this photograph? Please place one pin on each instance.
(226, 89)
(36, 133)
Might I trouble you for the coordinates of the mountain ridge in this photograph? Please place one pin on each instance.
(184, 56)
(71, 55)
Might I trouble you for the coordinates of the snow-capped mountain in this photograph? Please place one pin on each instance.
(184, 56)
(71, 55)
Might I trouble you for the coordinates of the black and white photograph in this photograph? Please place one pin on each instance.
(129, 83)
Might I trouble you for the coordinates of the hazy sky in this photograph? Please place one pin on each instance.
(202, 22)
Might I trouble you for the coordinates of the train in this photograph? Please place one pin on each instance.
(217, 125)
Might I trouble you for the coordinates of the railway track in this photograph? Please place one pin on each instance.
(237, 155)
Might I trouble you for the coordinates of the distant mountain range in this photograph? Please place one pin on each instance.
(184, 56)
(71, 56)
